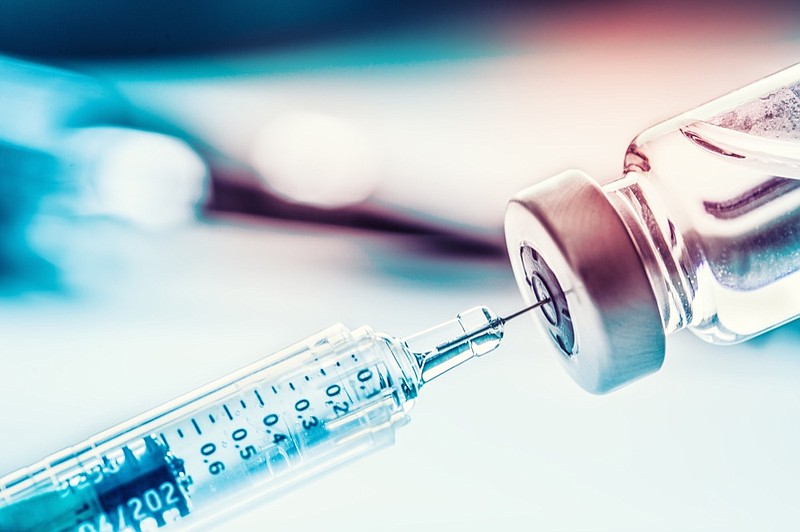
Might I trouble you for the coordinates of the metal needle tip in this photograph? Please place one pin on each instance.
(526, 309)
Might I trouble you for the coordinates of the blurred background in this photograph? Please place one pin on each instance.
(187, 187)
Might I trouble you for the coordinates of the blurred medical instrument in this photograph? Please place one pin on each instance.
(78, 171)
(702, 231)
(70, 164)
(326, 400)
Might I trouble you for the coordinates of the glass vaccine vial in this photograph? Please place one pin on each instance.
(702, 231)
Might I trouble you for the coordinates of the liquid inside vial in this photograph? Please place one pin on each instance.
(720, 199)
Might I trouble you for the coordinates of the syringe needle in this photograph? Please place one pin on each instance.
(473, 333)
(526, 309)
(499, 321)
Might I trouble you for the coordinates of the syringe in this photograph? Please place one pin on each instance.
(286, 418)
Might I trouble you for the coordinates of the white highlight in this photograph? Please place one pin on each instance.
(149, 179)
(316, 159)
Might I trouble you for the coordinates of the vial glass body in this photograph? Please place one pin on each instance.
(711, 199)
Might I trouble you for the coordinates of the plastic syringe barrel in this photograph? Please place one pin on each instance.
(324, 401)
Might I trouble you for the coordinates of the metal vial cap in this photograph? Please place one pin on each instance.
(566, 242)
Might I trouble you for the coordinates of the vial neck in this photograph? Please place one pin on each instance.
(662, 248)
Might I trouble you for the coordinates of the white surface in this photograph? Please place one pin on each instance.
(710, 443)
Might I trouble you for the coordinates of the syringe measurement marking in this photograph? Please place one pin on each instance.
(299, 439)
(362, 377)
(290, 447)
(292, 441)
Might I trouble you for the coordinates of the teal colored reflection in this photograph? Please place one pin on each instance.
(27, 176)
(73, 174)
(37, 104)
